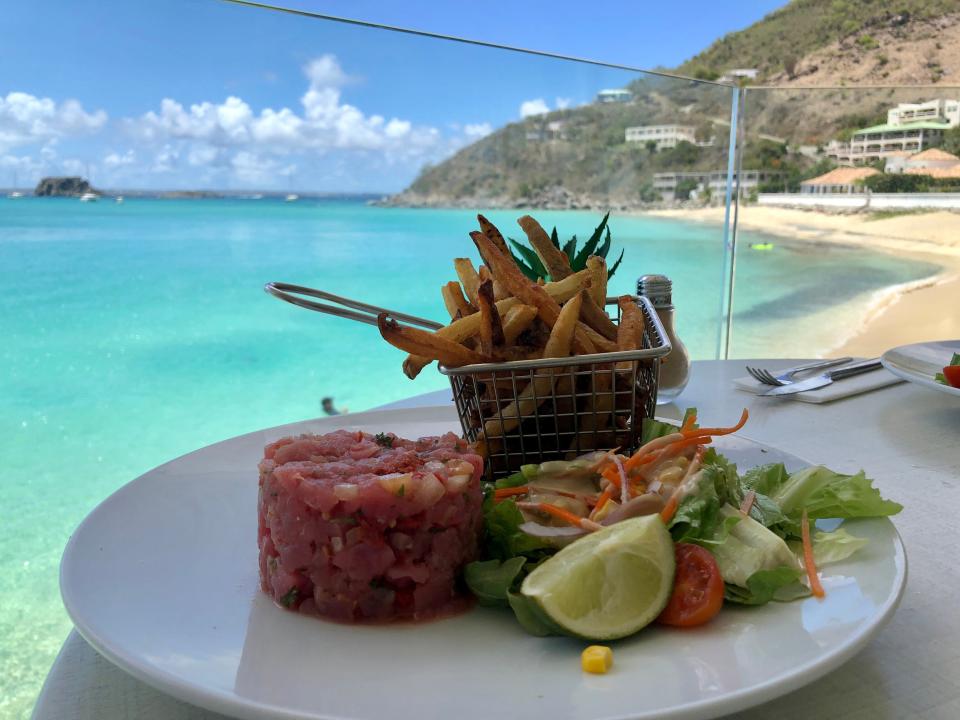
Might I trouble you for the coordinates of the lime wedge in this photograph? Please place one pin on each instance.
(607, 585)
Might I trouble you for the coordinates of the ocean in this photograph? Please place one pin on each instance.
(136, 332)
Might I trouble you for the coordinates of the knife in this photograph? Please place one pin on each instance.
(819, 381)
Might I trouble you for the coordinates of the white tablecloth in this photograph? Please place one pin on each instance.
(907, 437)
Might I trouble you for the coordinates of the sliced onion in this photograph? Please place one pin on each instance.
(555, 535)
(430, 489)
(458, 483)
(646, 504)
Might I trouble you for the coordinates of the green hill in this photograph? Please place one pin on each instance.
(580, 157)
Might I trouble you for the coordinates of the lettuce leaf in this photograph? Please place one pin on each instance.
(747, 548)
(826, 494)
(491, 580)
(781, 584)
(503, 538)
(830, 547)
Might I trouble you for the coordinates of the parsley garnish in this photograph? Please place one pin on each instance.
(402, 491)
(384, 440)
(290, 597)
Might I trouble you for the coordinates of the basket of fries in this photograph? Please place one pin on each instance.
(539, 370)
(558, 407)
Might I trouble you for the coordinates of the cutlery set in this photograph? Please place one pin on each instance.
(784, 383)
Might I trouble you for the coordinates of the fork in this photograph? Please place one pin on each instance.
(786, 376)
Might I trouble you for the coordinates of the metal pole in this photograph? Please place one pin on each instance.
(741, 141)
(731, 169)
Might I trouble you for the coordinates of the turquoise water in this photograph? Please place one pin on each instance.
(134, 333)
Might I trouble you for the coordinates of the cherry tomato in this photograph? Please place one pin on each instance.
(952, 375)
(697, 588)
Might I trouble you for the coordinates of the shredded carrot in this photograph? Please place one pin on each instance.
(748, 502)
(501, 493)
(720, 431)
(670, 509)
(603, 500)
(689, 422)
(808, 562)
(567, 516)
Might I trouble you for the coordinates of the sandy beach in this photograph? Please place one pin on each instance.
(925, 310)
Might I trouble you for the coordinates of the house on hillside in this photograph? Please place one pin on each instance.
(666, 183)
(938, 173)
(737, 74)
(614, 96)
(845, 180)
(665, 136)
(915, 163)
(910, 128)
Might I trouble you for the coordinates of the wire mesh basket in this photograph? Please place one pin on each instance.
(530, 411)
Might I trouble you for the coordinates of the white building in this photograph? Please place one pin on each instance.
(910, 128)
(939, 110)
(716, 182)
(916, 163)
(665, 136)
(842, 180)
(738, 74)
(614, 96)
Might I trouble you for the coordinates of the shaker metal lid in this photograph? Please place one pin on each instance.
(658, 288)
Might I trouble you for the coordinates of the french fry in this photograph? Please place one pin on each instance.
(426, 343)
(563, 290)
(506, 271)
(597, 319)
(457, 331)
(494, 235)
(556, 263)
(516, 321)
(491, 328)
(630, 330)
(468, 278)
(456, 304)
(598, 275)
(533, 395)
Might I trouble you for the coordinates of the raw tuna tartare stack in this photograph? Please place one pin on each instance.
(360, 527)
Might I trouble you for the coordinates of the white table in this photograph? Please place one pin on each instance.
(907, 439)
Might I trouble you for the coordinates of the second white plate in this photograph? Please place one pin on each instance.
(162, 579)
(919, 362)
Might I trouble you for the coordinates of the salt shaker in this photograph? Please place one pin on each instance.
(675, 367)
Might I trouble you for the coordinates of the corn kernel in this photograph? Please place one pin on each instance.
(596, 659)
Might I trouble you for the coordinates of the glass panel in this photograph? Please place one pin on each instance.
(134, 321)
(846, 220)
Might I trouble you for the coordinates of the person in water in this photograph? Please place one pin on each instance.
(328, 407)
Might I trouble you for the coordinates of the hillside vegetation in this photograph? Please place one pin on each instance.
(579, 157)
(786, 36)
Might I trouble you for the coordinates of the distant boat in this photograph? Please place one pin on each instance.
(292, 197)
(89, 197)
(258, 196)
(118, 199)
(15, 194)
(761, 246)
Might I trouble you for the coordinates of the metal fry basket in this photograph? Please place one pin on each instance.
(529, 411)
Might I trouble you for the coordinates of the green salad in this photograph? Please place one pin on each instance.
(599, 546)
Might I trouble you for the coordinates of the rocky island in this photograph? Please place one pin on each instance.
(64, 187)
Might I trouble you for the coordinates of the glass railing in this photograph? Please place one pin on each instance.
(354, 160)
(845, 247)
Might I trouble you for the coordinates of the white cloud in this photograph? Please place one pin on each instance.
(563, 103)
(26, 119)
(476, 131)
(115, 160)
(533, 107)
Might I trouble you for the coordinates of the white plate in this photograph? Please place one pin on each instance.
(918, 363)
(161, 578)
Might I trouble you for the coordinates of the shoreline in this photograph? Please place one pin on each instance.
(916, 311)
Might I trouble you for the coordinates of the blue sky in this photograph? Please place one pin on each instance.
(204, 94)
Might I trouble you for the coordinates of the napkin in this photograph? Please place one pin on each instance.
(836, 390)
